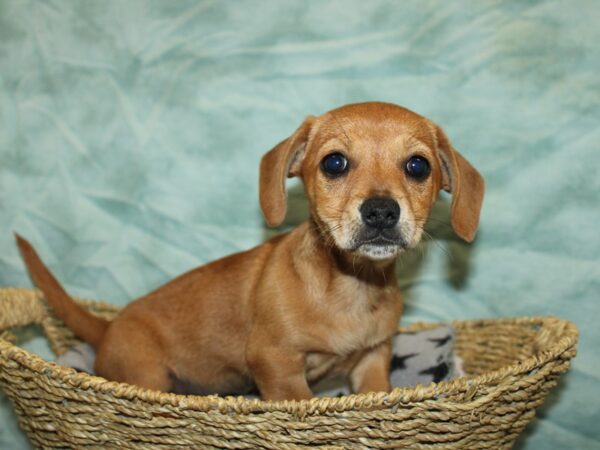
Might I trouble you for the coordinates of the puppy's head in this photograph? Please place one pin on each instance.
(372, 172)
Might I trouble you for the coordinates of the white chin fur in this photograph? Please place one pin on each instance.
(378, 252)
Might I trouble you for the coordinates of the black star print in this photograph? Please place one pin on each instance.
(398, 362)
(439, 372)
(440, 341)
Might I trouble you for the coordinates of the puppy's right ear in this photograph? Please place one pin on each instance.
(284, 160)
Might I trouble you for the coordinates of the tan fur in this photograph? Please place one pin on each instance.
(304, 305)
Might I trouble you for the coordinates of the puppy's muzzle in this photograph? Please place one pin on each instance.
(380, 217)
(379, 236)
(380, 213)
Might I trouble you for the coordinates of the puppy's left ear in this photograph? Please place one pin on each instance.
(284, 160)
(466, 185)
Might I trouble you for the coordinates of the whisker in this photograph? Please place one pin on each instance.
(433, 219)
(436, 243)
(400, 260)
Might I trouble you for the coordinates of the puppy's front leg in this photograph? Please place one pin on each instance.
(372, 372)
(278, 373)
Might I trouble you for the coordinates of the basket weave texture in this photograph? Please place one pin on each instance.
(512, 365)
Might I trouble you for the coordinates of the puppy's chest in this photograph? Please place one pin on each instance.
(349, 335)
(352, 332)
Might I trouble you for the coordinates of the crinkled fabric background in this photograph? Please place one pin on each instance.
(130, 136)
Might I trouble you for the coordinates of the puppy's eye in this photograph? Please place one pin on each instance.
(334, 164)
(417, 167)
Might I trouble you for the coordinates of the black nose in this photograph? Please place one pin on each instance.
(380, 212)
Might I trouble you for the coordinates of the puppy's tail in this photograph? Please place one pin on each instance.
(85, 325)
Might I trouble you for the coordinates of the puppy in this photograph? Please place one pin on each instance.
(321, 300)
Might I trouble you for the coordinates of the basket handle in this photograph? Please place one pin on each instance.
(20, 307)
(552, 330)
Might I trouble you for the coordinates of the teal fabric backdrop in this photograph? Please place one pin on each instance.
(130, 136)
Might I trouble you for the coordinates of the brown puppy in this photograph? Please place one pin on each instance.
(321, 300)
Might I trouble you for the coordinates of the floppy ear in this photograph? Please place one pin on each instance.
(284, 160)
(466, 185)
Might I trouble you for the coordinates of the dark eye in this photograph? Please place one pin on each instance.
(417, 167)
(334, 164)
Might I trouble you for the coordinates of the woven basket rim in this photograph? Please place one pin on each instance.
(502, 378)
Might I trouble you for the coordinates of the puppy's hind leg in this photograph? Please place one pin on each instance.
(135, 361)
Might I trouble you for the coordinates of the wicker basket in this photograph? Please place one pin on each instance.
(513, 364)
